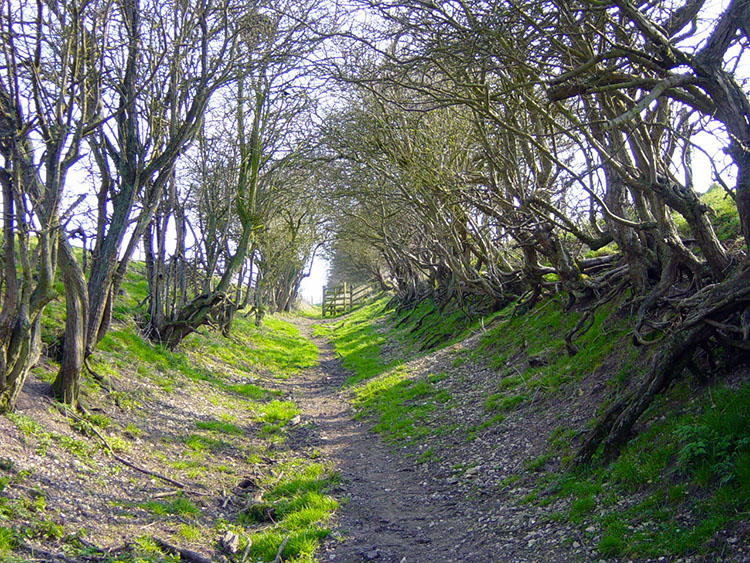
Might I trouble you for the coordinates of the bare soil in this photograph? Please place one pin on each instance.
(397, 510)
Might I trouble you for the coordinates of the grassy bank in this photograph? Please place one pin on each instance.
(208, 425)
(680, 488)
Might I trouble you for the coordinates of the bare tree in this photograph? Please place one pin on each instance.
(48, 104)
(159, 67)
(269, 100)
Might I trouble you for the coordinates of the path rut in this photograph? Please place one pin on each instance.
(389, 514)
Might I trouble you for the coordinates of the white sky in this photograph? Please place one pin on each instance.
(311, 288)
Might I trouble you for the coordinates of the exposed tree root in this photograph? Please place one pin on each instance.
(709, 312)
(184, 554)
(100, 379)
(614, 428)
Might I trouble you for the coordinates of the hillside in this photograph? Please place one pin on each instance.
(427, 436)
(493, 417)
(186, 450)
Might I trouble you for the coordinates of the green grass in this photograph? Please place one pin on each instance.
(274, 415)
(177, 507)
(125, 348)
(33, 430)
(276, 349)
(277, 412)
(247, 427)
(401, 404)
(294, 506)
(357, 340)
(27, 517)
(697, 463)
(7, 541)
(189, 532)
(426, 327)
(535, 341)
(198, 443)
(252, 391)
(218, 426)
(359, 337)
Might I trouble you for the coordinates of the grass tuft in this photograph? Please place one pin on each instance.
(300, 508)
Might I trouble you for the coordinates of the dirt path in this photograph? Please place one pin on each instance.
(389, 514)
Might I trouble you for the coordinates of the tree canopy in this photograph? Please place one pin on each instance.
(476, 153)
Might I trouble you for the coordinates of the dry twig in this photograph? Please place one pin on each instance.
(277, 559)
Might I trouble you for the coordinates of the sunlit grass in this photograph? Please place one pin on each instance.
(276, 348)
(300, 507)
(401, 404)
(357, 341)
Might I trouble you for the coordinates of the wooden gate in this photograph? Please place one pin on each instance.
(342, 298)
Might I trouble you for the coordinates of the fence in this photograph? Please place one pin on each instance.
(342, 298)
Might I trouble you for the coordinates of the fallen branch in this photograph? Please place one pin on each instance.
(48, 555)
(277, 559)
(136, 467)
(185, 554)
(122, 460)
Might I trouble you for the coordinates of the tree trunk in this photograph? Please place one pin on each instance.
(66, 383)
(16, 362)
(685, 201)
(249, 286)
(258, 298)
